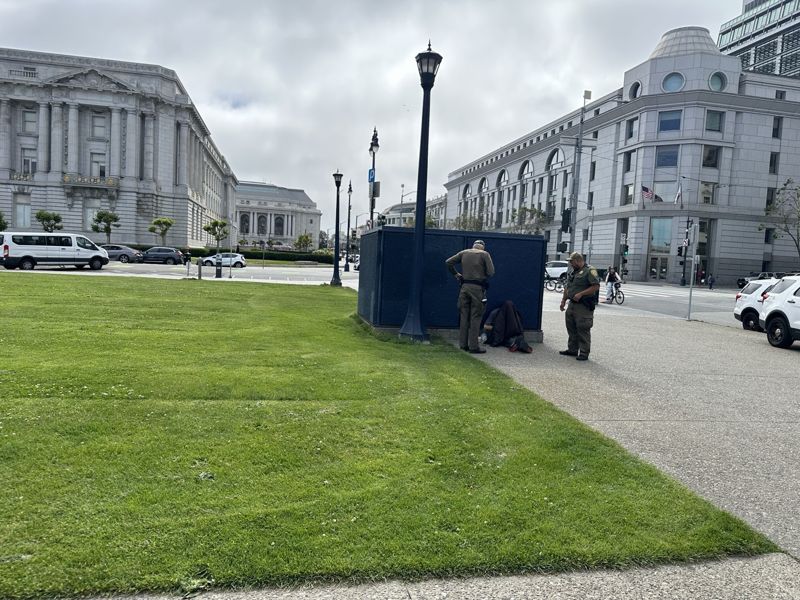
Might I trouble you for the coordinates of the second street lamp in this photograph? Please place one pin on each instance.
(373, 150)
(347, 231)
(413, 327)
(336, 281)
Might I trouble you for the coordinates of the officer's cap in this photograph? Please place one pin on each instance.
(478, 243)
(576, 256)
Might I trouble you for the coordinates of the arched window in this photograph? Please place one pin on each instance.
(525, 175)
(244, 224)
(279, 226)
(262, 225)
(483, 187)
(555, 160)
(502, 179)
(467, 192)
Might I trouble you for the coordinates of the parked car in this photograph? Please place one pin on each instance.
(780, 313)
(122, 253)
(749, 301)
(228, 259)
(743, 281)
(161, 254)
(556, 269)
(27, 249)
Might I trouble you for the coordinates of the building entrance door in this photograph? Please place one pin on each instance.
(659, 267)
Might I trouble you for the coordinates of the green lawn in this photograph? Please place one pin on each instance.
(161, 435)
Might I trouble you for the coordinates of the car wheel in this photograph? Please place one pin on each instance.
(237, 265)
(750, 321)
(170, 261)
(95, 264)
(27, 264)
(778, 333)
(208, 263)
(123, 258)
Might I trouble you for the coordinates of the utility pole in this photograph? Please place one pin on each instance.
(685, 249)
(576, 174)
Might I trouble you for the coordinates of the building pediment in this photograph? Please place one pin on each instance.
(90, 79)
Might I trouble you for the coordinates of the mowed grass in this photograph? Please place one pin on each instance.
(171, 435)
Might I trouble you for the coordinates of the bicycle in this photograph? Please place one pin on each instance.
(619, 295)
(553, 284)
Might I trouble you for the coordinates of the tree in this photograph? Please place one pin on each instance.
(103, 221)
(218, 230)
(528, 221)
(785, 214)
(3, 223)
(50, 220)
(303, 242)
(160, 226)
(430, 222)
(468, 223)
(323, 239)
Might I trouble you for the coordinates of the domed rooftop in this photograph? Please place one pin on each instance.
(685, 40)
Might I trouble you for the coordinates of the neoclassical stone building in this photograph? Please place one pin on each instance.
(687, 119)
(267, 212)
(78, 135)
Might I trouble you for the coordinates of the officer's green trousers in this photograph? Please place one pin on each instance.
(579, 320)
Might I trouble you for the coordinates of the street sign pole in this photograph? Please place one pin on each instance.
(695, 234)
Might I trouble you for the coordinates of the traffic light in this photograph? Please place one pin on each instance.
(381, 220)
(624, 261)
(562, 246)
(566, 219)
(625, 250)
(680, 250)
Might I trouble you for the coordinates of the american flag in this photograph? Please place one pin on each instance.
(647, 193)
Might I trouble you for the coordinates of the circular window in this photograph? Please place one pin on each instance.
(718, 82)
(673, 82)
(635, 90)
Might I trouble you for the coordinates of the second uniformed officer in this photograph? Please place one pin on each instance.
(476, 268)
(581, 290)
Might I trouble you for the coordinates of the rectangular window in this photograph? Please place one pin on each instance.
(626, 161)
(780, 95)
(769, 236)
(627, 193)
(585, 235)
(715, 120)
(773, 162)
(669, 120)
(592, 170)
(97, 164)
(564, 181)
(770, 197)
(29, 158)
(711, 156)
(666, 156)
(595, 134)
(22, 211)
(590, 201)
(596, 112)
(631, 128)
(98, 126)
(707, 192)
(777, 127)
(29, 121)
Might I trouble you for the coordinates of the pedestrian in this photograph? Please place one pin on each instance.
(611, 278)
(476, 268)
(711, 281)
(582, 289)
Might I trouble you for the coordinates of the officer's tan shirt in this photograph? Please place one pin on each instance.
(582, 279)
(476, 264)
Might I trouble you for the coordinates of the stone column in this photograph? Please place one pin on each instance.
(182, 156)
(149, 142)
(57, 140)
(115, 161)
(132, 144)
(73, 139)
(43, 143)
(5, 138)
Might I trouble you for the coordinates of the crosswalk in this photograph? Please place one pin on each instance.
(633, 290)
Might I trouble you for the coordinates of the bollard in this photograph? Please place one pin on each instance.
(199, 269)
(218, 271)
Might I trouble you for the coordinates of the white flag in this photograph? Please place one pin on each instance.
(678, 194)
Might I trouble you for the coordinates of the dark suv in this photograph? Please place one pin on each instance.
(161, 254)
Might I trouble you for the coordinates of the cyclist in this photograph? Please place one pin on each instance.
(612, 277)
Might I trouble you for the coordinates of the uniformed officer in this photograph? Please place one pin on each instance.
(476, 268)
(581, 290)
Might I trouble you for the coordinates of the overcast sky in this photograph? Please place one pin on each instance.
(291, 89)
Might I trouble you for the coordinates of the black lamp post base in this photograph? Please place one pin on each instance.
(336, 283)
(346, 268)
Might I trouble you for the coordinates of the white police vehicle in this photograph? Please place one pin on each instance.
(25, 250)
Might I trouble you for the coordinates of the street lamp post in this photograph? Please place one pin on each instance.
(576, 175)
(373, 150)
(336, 281)
(413, 327)
(403, 195)
(347, 246)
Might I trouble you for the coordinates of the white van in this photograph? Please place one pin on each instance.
(26, 250)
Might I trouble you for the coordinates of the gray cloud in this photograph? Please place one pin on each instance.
(292, 90)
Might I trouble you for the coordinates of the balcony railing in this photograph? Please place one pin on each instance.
(23, 176)
(27, 73)
(89, 181)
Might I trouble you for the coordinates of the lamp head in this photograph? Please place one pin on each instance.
(373, 146)
(428, 65)
(337, 178)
